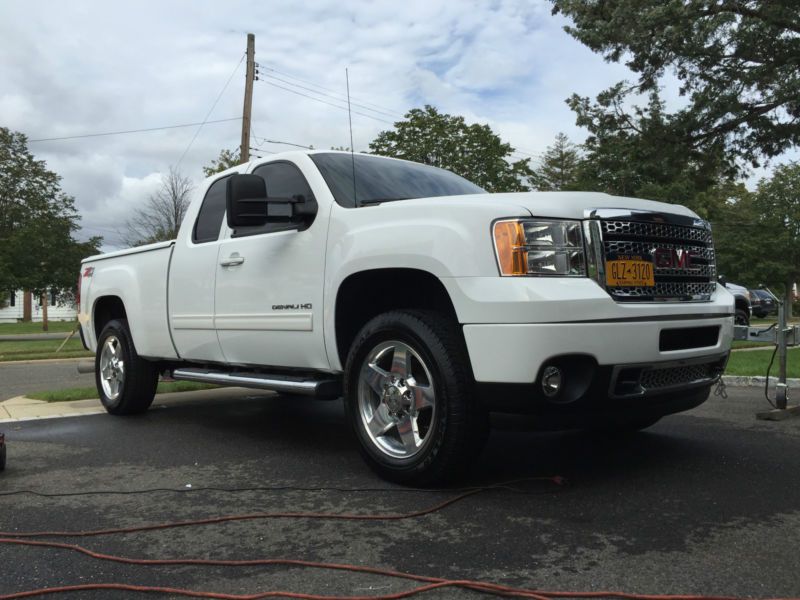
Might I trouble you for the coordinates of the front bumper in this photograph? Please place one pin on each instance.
(618, 359)
(516, 352)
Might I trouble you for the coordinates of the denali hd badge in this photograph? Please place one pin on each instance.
(291, 306)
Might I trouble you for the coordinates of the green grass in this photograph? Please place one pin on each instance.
(739, 344)
(41, 349)
(88, 393)
(53, 327)
(755, 363)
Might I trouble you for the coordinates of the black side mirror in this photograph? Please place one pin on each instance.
(246, 201)
(723, 280)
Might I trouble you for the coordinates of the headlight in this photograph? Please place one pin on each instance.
(538, 247)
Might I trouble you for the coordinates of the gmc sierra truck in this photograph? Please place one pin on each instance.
(424, 301)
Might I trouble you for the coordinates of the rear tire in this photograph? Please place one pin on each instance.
(410, 400)
(741, 317)
(126, 383)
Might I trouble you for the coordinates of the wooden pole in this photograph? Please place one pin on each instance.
(244, 151)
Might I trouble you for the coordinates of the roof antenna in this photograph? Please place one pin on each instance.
(352, 151)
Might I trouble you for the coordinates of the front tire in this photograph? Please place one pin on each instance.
(126, 383)
(409, 398)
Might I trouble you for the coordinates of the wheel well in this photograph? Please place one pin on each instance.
(365, 295)
(105, 310)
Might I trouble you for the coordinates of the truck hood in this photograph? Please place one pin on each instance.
(566, 205)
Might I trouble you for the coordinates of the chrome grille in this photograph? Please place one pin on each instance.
(655, 379)
(638, 236)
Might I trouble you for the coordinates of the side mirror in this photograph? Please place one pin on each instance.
(723, 280)
(246, 201)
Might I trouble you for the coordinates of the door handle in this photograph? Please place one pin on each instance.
(232, 261)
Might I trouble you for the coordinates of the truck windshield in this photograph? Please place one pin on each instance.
(379, 179)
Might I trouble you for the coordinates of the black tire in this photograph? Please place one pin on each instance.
(741, 317)
(455, 430)
(137, 387)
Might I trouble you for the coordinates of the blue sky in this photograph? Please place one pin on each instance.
(70, 68)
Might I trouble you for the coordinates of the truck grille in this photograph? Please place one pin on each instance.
(689, 277)
(629, 381)
(655, 379)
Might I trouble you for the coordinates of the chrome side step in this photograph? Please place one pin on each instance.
(330, 387)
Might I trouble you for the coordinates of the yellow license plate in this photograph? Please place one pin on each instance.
(630, 273)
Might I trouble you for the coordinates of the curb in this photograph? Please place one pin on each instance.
(22, 408)
(756, 381)
(43, 360)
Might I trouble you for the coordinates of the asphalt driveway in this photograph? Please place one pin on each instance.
(707, 502)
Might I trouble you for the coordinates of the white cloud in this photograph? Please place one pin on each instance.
(91, 66)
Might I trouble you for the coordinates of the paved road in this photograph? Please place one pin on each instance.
(39, 376)
(704, 502)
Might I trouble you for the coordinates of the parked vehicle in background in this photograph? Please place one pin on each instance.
(755, 303)
(767, 304)
(743, 306)
(426, 302)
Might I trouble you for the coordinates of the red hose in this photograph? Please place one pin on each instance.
(431, 582)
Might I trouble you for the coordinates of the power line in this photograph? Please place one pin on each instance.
(338, 99)
(322, 87)
(210, 110)
(324, 101)
(89, 135)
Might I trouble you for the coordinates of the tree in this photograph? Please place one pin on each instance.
(473, 151)
(161, 217)
(560, 166)
(37, 222)
(736, 61)
(763, 232)
(225, 160)
(627, 155)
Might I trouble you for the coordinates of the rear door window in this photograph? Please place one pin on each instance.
(212, 211)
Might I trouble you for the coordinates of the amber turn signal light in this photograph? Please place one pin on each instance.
(509, 241)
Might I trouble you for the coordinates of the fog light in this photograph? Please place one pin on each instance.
(551, 381)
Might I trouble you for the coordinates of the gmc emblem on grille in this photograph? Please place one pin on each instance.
(673, 258)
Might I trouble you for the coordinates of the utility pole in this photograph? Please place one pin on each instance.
(244, 151)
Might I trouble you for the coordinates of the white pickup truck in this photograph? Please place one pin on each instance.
(424, 301)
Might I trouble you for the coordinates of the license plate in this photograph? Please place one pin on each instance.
(633, 271)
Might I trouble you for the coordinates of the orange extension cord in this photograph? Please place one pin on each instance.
(430, 583)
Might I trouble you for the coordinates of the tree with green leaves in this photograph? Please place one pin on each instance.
(473, 151)
(759, 238)
(626, 155)
(736, 61)
(161, 216)
(225, 160)
(560, 166)
(38, 251)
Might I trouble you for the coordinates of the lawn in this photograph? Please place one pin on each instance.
(53, 327)
(755, 363)
(88, 393)
(41, 349)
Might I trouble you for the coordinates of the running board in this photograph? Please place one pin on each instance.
(305, 386)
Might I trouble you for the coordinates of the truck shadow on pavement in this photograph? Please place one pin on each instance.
(689, 498)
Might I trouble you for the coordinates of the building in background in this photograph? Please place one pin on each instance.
(13, 308)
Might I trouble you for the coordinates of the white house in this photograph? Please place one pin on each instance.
(12, 308)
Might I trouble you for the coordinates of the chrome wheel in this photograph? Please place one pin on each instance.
(112, 368)
(396, 399)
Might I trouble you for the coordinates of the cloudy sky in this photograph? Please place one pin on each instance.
(79, 67)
